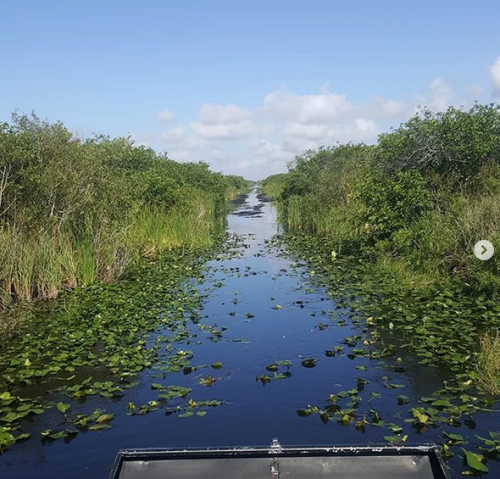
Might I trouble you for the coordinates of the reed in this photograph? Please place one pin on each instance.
(488, 362)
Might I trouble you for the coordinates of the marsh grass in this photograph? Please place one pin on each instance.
(14, 319)
(401, 275)
(86, 261)
(488, 362)
(30, 264)
(76, 211)
(40, 265)
(191, 224)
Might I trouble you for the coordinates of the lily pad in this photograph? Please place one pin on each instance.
(309, 362)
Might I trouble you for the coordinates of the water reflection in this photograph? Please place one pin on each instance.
(276, 317)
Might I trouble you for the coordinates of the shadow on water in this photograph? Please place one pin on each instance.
(272, 312)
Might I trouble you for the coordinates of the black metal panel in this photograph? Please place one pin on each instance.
(419, 462)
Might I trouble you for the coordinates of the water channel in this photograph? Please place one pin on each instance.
(268, 309)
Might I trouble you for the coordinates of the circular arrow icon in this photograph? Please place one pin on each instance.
(483, 250)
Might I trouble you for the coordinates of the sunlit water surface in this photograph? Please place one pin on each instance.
(254, 412)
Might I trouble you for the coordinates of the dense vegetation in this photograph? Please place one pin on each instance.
(75, 211)
(409, 211)
(416, 203)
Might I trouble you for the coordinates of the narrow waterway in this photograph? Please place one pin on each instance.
(261, 309)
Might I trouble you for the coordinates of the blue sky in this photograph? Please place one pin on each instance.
(244, 85)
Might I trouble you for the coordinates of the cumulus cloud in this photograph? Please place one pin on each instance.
(389, 108)
(310, 121)
(266, 151)
(308, 132)
(298, 138)
(223, 122)
(180, 144)
(306, 109)
(495, 76)
(166, 116)
(441, 95)
(211, 114)
(261, 141)
(439, 98)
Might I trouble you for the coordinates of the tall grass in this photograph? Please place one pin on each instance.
(39, 265)
(78, 211)
(488, 362)
(34, 264)
(191, 224)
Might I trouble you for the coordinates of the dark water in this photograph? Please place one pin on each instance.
(255, 412)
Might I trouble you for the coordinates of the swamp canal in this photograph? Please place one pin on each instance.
(252, 345)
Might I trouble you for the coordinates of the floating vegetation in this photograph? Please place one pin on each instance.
(208, 381)
(116, 331)
(438, 326)
(182, 336)
(309, 362)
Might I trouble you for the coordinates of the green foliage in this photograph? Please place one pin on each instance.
(273, 185)
(236, 185)
(393, 204)
(453, 145)
(414, 205)
(76, 211)
(488, 362)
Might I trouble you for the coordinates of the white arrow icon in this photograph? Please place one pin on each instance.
(483, 250)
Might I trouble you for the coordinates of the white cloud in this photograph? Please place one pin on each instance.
(364, 128)
(306, 109)
(309, 132)
(304, 137)
(389, 108)
(223, 122)
(166, 116)
(181, 145)
(261, 141)
(322, 119)
(229, 131)
(441, 95)
(439, 99)
(267, 151)
(495, 76)
(285, 125)
(211, 114)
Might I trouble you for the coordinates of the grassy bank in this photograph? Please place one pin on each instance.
(402, 216)
(78, 211)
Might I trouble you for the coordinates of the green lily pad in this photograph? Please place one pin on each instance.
(474, 461)
(309, 362)
(62, 407)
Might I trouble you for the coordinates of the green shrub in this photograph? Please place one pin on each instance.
(76, 211)
(452, 146)
(393, 204)
(415, 204)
